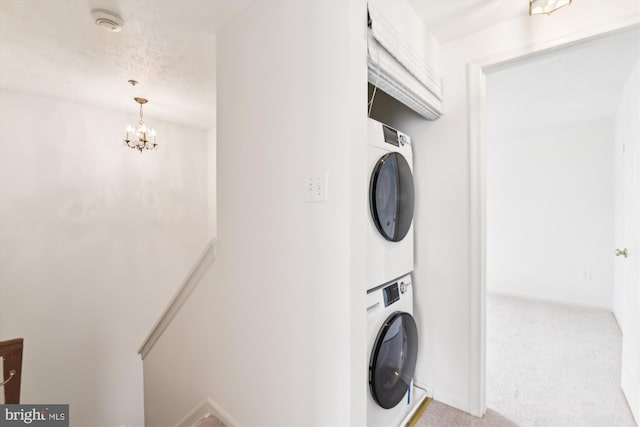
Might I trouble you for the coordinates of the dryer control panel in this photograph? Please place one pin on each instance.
(395, 137)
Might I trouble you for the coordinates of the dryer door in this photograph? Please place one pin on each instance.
(391, 197)
(393, 359)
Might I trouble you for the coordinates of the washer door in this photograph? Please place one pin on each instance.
(391, 196)
(393, 359)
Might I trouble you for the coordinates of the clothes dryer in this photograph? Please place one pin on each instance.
(391, 204)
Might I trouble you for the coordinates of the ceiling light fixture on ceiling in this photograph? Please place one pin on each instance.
(539, 7)
(108, 21)
(139, 137)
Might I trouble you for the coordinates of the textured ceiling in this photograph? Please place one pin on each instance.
(576, 83)
(52, 47)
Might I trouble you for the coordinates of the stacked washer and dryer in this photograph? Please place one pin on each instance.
(392, 331)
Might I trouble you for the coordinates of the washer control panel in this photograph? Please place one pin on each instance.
(403, 287)
(390, 294)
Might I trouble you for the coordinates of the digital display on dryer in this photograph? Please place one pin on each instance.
(390, 135)
(391, 294)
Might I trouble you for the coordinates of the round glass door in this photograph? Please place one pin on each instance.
(393, 360)
(391, 196)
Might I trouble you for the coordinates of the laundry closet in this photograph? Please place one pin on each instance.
(405, 92)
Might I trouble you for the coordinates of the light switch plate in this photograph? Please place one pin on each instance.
(315, 188)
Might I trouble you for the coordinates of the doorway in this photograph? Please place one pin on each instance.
(550, 180)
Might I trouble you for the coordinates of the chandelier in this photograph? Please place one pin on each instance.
(139, 137)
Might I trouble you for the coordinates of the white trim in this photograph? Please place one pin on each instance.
(419, 396)
(499, 61)
(451, 400)
(531, 297)
(631, 391)
(179, 298)
(477, 173)
(427, 388)
(204, 409)
(617, 321)
(476, 72)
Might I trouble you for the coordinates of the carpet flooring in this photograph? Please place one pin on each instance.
(440, 415)
(209, 421)
(548, 365)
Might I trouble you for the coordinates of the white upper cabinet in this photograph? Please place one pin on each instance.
(403, 57)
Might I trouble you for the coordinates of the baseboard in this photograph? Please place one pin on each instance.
(445, 398)
(427, 388)
(451, 400)
(631, 388)
(618, 324)
(419, 396)
(546, 299)
(204, 409)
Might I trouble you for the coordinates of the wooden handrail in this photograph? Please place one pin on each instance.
(11, 353)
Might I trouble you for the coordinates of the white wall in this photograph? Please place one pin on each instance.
(212, 222)
(626, 130)
(443, 195)
(94, 240)
(275, 333)
(550, 211)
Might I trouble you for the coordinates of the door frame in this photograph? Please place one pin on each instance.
(476, 72)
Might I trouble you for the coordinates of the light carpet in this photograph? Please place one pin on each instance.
(209, 421)
(549, 365)
(440, 415)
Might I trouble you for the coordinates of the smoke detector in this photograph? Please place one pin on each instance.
(108, 21)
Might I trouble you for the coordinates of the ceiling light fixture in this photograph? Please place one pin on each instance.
(539, 7)
(139, 137)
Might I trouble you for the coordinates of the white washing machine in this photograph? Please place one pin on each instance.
(393, 352)
(391, 203)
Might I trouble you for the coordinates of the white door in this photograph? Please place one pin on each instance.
(627, 265)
